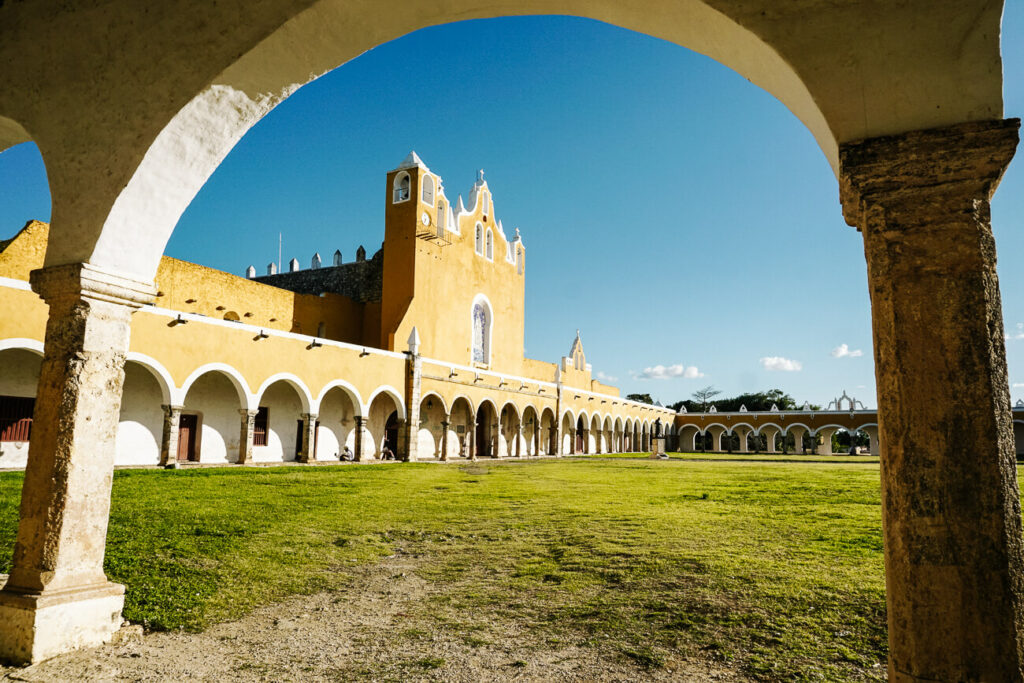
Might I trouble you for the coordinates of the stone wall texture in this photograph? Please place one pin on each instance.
(361, 281)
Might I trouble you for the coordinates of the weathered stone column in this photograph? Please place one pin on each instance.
(444, 439)
(410, 438)
(169, 441)
(472, 439)
(555, 441)
(308, 453)
(825, 447)
(950, 503)
(57, 597)
(246, 435)
(769, 435)
(360, 442)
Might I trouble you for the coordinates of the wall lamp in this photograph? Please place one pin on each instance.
(179, 320)
(315, 344)
(261, 335)
(364, 352)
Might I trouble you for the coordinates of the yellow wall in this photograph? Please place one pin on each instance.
(438, 298)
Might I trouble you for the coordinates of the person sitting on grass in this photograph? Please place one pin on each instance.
(386, 453)
(347, 455)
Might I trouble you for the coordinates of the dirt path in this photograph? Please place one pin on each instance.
(344, 635)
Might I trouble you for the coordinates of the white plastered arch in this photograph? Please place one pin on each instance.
(22, 344)
(168, 391)
(305, 396)
(246, 398)
(439, 397)
(393, 393)
(348, 388)
(807, 429)
(830, 426)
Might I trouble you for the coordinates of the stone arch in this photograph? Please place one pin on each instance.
(213, 396)
(140, 424)
(530, 421)
(567, 432)
(431, 433)
(462, 417)
(20, 363)
(385, 408)
(347, 388)
(548, 432)
(283, 401)
(169, 393)
(247, 398)
(594, 439)
(222, 90)
(295, 383)
(509, 425)
(487, 426)
(338, 407)
(401, 190)
(395, 395)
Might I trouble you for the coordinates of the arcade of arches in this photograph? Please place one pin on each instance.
(904, 99)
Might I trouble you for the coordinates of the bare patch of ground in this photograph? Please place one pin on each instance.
(374, 629)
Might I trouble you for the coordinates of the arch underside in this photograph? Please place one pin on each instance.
(124, 167)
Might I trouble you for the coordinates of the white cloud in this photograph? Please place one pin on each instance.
(1018, 334)
(843, 351)
(669, 372)
(781, 364)
(1018, 385)
(601, 377)
(861, 386)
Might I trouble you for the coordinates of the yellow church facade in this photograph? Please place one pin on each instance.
(417, 350)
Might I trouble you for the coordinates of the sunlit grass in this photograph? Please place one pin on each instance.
(775, 568)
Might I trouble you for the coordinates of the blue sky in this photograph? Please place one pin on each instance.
(675, 213)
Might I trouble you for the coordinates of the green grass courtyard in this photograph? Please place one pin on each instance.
(774, 568)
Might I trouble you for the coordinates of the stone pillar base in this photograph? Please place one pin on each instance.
(37, 626)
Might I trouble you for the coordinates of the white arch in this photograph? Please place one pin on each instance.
(390, 391)
(436, 395)
(875, 425)
(617, 426)
(245, 396)
(799, 424)
(770, 424)
(353, 395)
(714, 424)
(743, 424)
(168, 390)
(568, 411)
(305, 397)
(514, 407)
(396, 198)
(22, 344)
(830, 426)
(467, 399)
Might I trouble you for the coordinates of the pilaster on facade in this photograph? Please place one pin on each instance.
(309, 425)
(247, 435)
(169, 437)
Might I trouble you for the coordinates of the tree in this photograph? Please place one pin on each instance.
(641, 398)
(704, 396)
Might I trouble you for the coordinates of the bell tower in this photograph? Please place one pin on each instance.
(411, 193)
